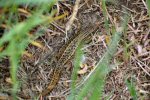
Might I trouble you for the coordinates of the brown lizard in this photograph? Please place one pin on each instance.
(65, 55)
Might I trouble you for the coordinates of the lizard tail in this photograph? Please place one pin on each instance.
(53, 83)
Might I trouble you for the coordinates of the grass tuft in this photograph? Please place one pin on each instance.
(17, 37)
(94, 84)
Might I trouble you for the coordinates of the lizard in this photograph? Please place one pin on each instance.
(64, 55)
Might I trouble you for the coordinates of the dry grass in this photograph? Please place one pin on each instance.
(131, 63)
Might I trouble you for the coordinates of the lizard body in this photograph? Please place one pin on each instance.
(66, 54)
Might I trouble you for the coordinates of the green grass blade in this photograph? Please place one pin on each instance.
(148, 6)
(17, 38)
(77, 62)
(4, 3)
(105, 16)
(102, 68)
(131, 88)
